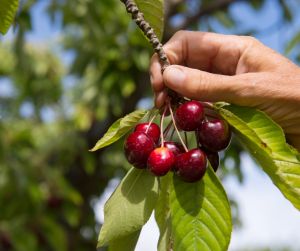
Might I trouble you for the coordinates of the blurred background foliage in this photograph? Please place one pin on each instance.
(56, 109)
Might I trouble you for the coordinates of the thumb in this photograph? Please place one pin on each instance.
(196, 84)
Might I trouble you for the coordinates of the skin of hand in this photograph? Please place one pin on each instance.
(235, 69)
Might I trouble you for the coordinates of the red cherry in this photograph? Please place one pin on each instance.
(214, 135)
(137, 148)
(153, 132)
(213, 158)
(160, 161)
(189, 115)
(174, 147)
(191, 166)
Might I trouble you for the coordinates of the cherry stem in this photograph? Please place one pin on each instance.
(207, 105)
(179, 136)
(151, 112)
(150, 122)
(161, 127)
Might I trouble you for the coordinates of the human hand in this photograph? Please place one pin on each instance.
(235, 69)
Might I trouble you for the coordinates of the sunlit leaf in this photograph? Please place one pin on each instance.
(119, 129)
(126, 243)
(266, 142)
(8, 10)
(200, 212)
(129, 207)
(154, 14)
(163, 213)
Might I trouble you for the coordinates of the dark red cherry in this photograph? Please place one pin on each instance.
(153, 132)
(214, 135)
(54, 202)
(5, 241)
(137, 148)
(160, 161)
(191, 166)
(213, 158)
(189, 115)
(174, 147)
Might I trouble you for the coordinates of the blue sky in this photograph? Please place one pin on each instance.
(268, 219)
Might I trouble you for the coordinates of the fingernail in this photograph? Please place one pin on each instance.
(160, 98)
(151, 78)
(174, 76)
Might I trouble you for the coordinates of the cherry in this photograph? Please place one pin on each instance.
(214, 135)
(174, 147)
(152, 130)
(160, 161)
(189, 115)
(5, 241)
(54, 202)
(191, 165)
(137, 148)
(213, 158)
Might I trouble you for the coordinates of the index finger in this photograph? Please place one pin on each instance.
(205, 51)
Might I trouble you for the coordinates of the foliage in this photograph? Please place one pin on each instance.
(266, 142)
(8, 10)
(55, 112)
(154, 14)
(119, 129)
(130, 206)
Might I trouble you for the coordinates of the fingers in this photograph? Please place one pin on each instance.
(205, 51)
(160, 98)
(200, 85)
(232, 58)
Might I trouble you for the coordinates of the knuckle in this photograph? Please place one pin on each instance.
(250, 40)
(179, 34)
(201, 87)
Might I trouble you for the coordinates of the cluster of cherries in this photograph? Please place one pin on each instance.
(146, 147)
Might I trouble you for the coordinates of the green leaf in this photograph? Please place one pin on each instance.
(293, 43)
(266, 142)
(56, 236)
(224, 19)
(162, 213)
(200, 212)
(165, 237)
(119, 128)
(8, 10)
(154, 14)
(286, 11)
(257, 4)
(126, 243)
(130, 206)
